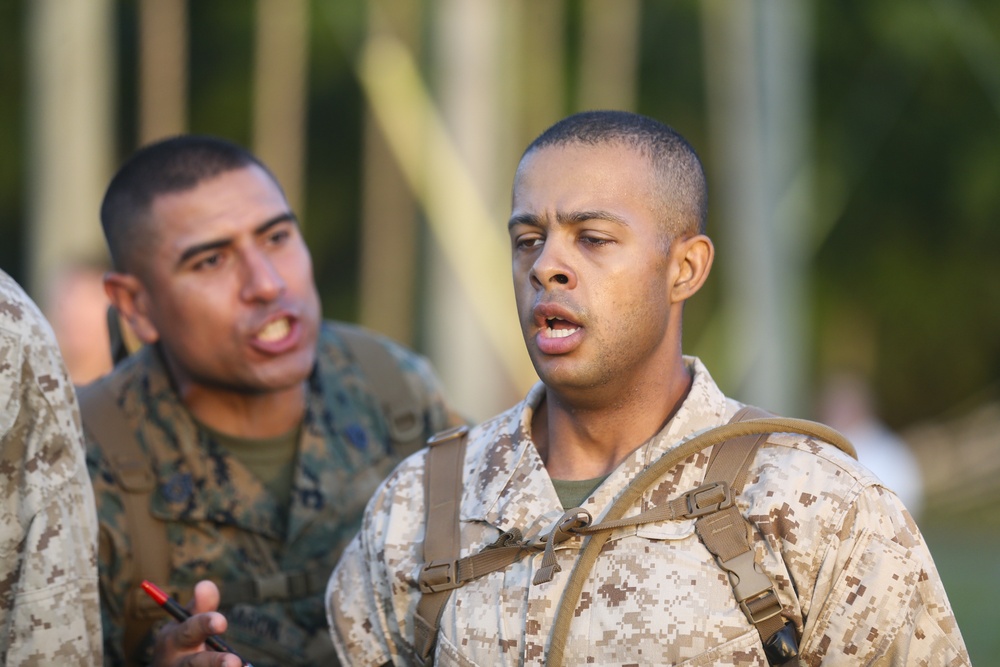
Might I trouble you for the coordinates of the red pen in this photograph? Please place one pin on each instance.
(172, 607)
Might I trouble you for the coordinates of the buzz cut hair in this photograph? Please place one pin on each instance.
(683, 190)
(168, 166)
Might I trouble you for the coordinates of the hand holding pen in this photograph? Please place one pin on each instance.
(181, 614)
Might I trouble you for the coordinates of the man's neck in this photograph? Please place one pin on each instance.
(587, 442)
(247, 415)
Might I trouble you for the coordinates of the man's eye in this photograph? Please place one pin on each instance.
(208, 262)
(278, 236)
(595, 240)
(527, 242)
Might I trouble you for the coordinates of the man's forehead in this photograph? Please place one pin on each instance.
(572, 154)
(232, 203)
(246, 176)
(581, 166)
(236, 191)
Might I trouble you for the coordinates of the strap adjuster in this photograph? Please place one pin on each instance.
(438, 575)
(447, 434)
(708, 498)
(405, 424)
(753, 590)
(761, 607)
(272, 587)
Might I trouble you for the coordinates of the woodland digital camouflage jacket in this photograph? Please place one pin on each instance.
(49, 610)
(222, 524)
(852, 570)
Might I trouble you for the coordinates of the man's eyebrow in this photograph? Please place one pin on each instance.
(288, 216)
(577, 217)
(529, 219)
(573, 218)
(222, 243)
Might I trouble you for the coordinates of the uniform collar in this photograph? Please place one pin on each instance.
(513, 489)
(196, 479)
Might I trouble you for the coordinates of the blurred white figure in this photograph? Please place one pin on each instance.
(77, 308)
(846, 403)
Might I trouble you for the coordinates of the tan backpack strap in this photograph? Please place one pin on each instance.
(400, 402)
(133, 471)
(442, 546)
(726, 533)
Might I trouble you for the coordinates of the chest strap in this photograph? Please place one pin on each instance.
(725, 532)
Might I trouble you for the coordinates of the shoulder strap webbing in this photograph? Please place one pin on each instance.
(726, 534)
(443, 495)
(133, 471)
(399, 401)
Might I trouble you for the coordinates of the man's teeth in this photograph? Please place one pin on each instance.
(560, 333)
(276, 330)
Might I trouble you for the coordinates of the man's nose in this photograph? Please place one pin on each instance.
(552, 267)
(262, 280)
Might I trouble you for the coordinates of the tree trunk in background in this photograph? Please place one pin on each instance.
(280, 89)
(758, 66)
(70, 119)
(388, 210)
(609, 71)
(163, 57)
(463, 229)
(538, 58)
(470, 68)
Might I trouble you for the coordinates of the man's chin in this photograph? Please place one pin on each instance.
(282, 374)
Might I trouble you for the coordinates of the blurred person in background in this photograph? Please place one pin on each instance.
(49, 610)
(240, 444)
(847, 404)
(77, 307)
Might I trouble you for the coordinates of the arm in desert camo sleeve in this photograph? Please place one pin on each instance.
(878, 596)
(48, 571)
(359, 598)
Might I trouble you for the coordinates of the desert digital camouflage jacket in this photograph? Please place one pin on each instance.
(222, 524)
(852, 570)
(49, 611)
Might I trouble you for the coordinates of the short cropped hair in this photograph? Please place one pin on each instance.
(683, 189)
(172, 165)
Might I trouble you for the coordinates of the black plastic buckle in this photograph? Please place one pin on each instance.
(782, 646)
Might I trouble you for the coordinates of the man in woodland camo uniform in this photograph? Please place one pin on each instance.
(607, 237)
(263, 436)
(49, 611)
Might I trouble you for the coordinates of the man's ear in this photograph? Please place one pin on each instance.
(131, 300)
(691, 258)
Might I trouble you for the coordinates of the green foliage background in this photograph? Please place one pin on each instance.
(906, 140)
(905, 277)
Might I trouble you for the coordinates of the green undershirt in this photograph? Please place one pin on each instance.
(271, 460)
(572, 492)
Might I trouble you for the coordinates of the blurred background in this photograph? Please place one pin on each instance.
(852, 149)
